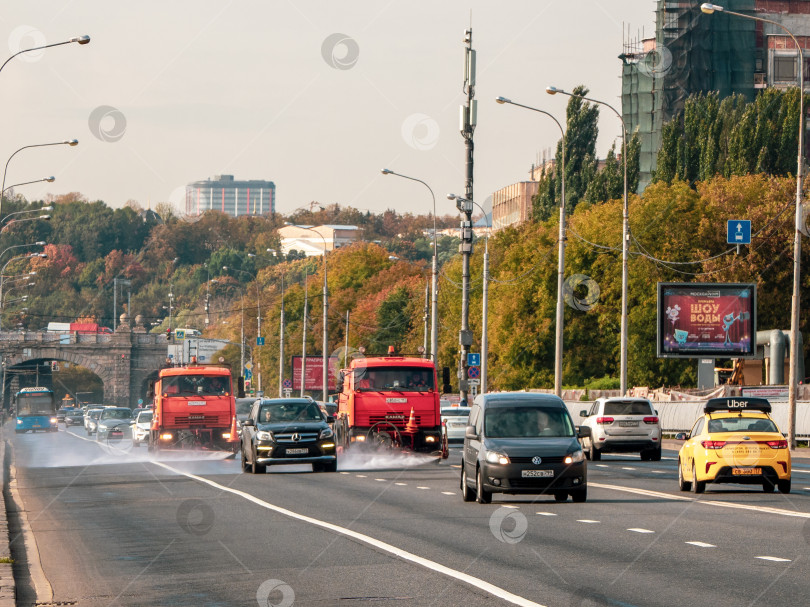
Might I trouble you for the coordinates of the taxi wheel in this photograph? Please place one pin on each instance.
(768, 486)
(697, 486)
(784, 486)
(467, 494)
(482, 495)
(683, 485)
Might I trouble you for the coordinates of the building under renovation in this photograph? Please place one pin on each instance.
(693, 52)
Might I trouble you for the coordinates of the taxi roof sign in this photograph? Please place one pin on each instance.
(737, 403)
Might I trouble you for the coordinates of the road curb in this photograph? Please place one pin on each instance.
(8, 589)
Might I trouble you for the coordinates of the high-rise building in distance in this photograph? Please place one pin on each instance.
(236, 198)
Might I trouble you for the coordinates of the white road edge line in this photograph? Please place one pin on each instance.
(680, 498)
(398, 552)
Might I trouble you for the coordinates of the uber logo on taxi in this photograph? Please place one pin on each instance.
(737, 404)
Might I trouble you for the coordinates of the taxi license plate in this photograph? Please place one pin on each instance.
(537, 473)
(746, 471)
(628, 424)
(297, 451)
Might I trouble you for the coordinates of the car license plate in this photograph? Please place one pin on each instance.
(537, 473)
(37, 426)
(628, 424)
(297, 451)
(746, 471)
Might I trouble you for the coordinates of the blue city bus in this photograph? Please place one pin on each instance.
(36, 410)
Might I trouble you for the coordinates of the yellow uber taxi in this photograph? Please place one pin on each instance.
(735, 441)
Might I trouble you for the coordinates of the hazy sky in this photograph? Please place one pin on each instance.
(169, 92)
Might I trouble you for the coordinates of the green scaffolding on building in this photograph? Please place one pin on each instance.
(692, 53)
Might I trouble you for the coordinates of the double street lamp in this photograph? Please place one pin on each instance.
(551, 90)
(797, 237)
(325, 344)
(558, 344)
(434, 281)
(258, 321)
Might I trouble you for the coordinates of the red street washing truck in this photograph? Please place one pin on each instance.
(195, 408)
(390, 402)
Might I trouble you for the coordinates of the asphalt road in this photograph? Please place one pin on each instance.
(114, 527)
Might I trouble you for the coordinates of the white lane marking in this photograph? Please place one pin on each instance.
(659, 471)
(701, 544)
(513, 507)
(345, 473)
(671, 458)
(587, 521)
(473, 581)
(640, 530)
(362, 476)
(401, 484)
(602, 466)
(448, 493)
(627, 468)
(680, 498)
(423, 487)
(546, 513)
(455, 465)
(380, 479)
(772, 558)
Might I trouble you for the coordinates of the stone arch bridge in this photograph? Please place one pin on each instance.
(125, 360)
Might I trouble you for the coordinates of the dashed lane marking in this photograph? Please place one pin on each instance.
(701, 544)
(773, 558)
(587, 521)
(640, 530)
(546, 513)
(448, 493)
(401, 484)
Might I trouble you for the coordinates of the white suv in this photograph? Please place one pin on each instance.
(622, 425)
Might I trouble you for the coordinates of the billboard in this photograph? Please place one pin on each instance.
(313, 380)
(706, 320)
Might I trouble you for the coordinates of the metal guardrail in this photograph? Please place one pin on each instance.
(681, 416)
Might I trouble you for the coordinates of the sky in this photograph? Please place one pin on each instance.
(315, 96)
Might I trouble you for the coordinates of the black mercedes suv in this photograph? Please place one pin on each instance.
(287, 431)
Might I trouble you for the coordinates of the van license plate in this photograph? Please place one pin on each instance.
(297, 451)
(746, 471)
(537, 473)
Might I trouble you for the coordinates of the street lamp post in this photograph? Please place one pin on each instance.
(70, 142)
(625, 236)
(50, 179)
(485, 296)
(434, 280)
(3, 269)
(78, 39)
(325, 319)
(558, 344)
(258, 323)
(795, 302)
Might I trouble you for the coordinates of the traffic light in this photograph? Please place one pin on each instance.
(169, 333)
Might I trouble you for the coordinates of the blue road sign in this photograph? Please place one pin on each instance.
(286, 384)
(248, 374)
(473, 372)
(738, 231)
(473, 359)
(260, 341)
